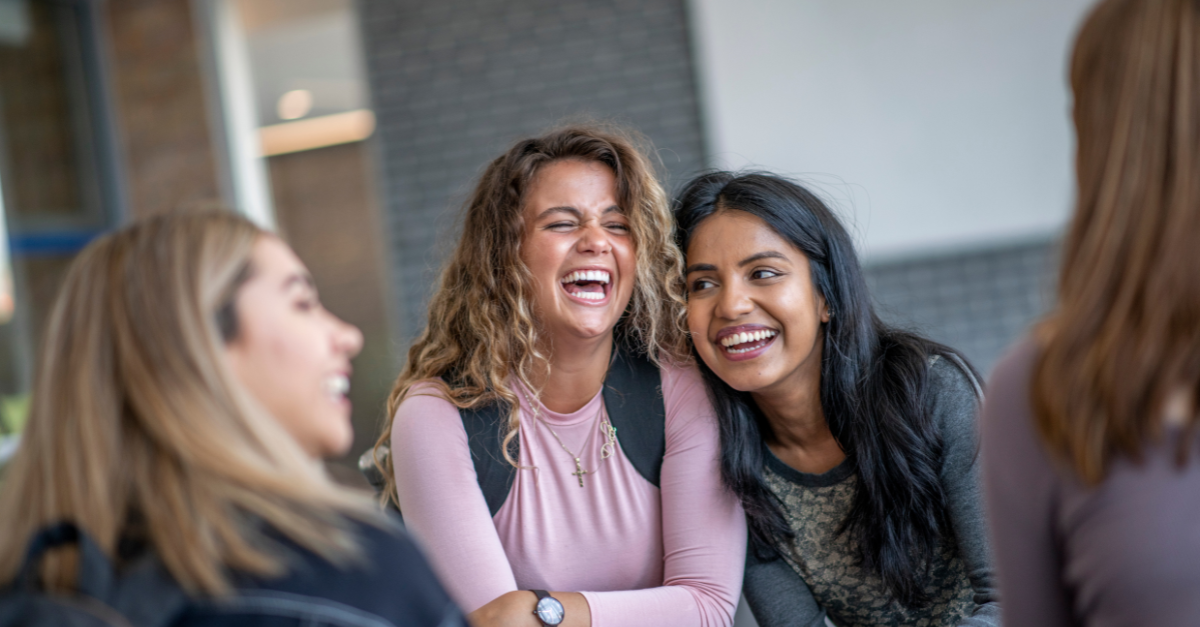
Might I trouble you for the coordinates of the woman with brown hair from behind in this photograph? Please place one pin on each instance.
(1090, 428)
(188, 386)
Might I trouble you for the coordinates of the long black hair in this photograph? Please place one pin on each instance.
(874, 392)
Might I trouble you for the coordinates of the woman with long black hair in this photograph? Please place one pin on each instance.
(851, 444)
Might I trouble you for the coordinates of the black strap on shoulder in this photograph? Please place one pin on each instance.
(634, 400)
(143, 593)
(485, 426)
(95, 576)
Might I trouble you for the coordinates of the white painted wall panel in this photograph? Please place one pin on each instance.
(932, 124)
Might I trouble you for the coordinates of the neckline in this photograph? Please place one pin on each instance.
(833, 476)
(584, 414)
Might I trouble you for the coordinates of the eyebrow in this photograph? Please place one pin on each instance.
(302, 278)
(708, 267)
(766, 254)
(575, 212)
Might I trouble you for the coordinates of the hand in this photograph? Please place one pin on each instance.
(511, 609)
(515, 609)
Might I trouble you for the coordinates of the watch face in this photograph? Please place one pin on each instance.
(550, 611)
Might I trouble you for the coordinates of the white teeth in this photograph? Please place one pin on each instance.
(599, 276)
(337, 385)
(589, 295)
(743, 338)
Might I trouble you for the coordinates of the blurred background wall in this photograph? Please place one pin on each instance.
(455, 82)
(939, 130)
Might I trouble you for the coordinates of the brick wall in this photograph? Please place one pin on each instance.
(977, 301)
(455, 82)
(158, 86)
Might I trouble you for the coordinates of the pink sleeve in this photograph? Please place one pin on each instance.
(704, 529)
(441, 500)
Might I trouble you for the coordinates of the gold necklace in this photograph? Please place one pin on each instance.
(606, 449)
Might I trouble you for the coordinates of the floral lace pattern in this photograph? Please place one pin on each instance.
(851, 596)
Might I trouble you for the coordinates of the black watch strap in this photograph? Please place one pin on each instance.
(541, 594)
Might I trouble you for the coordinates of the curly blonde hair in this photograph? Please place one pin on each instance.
(482, 329)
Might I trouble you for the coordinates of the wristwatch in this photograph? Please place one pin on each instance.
(549, 610)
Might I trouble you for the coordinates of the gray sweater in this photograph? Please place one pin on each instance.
(821, 577)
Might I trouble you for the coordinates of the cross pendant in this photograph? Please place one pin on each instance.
(579, 471)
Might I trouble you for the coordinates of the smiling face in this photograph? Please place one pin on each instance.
(579, 249)
(291, 354)
(753, 313)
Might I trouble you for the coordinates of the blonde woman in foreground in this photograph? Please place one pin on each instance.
(1090, 429)
(189, 384)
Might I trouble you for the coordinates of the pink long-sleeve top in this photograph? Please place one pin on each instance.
(641, 555)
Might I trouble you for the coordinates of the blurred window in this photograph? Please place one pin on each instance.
(303, 81)
(56, 188)
(309, 88)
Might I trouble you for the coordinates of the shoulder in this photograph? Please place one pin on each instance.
(1014, 370)
(951, 377)
(425, 394)
(953, 389)
(425, 423)
(678, 377)
(425, 403)
(387, 552)
(393, 579)
(684, 393)
(1007, 414)
(954, 395)
(391, 584)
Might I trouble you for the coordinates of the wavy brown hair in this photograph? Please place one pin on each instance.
(138, 430)
(482, 329)
(1126, 332)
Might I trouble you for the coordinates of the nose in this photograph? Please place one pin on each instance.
(347, 337)
(594, 239)
(733, 302)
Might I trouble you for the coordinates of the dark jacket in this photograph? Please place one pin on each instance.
(392, 587)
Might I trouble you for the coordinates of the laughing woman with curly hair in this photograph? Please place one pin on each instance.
(545, 433)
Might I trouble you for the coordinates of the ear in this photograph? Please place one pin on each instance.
(826, 310)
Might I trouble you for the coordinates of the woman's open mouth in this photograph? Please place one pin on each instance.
(740, 343)
(588, 286)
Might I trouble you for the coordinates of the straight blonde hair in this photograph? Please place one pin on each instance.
(137, 426)
(1126, 332)
(482, 328)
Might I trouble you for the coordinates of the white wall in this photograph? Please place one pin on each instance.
(931, 124)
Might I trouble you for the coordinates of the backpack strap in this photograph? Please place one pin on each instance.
(144, 594)
(95, 578)
(634, 400)
(485, 437)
